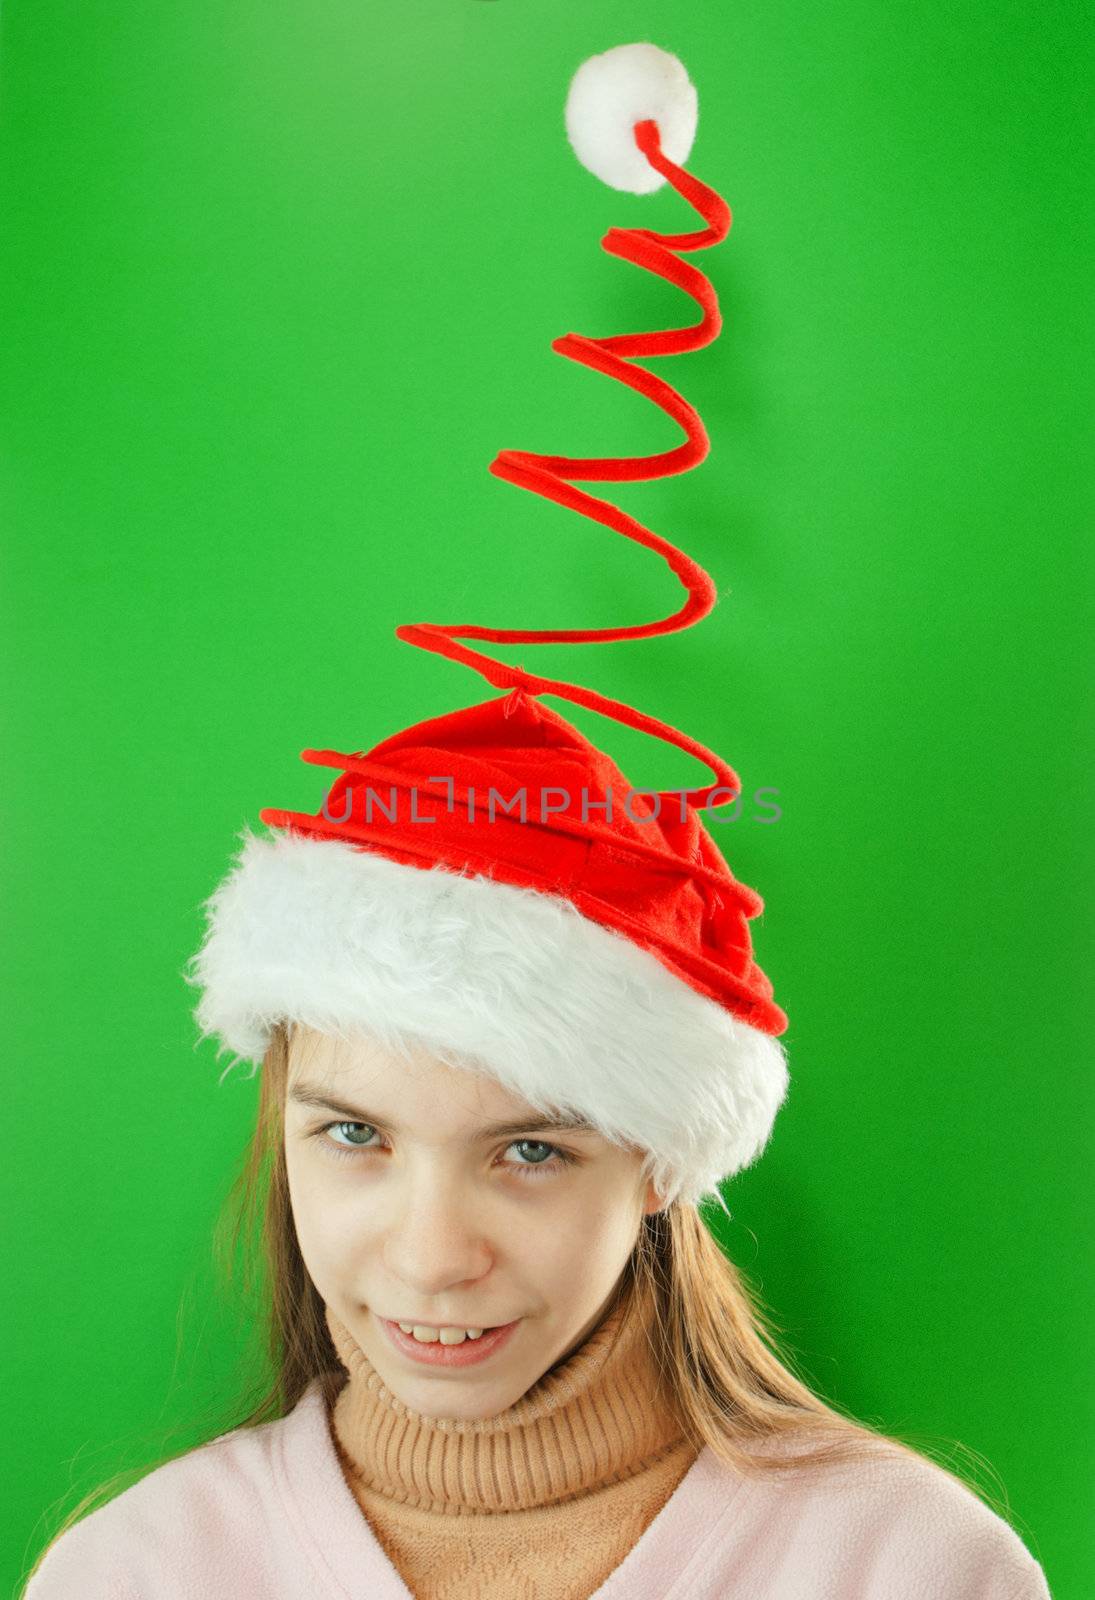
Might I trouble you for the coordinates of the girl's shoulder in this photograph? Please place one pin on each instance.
(893, 1513)
(205, 1522)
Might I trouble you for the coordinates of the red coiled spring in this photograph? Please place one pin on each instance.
(548, 476)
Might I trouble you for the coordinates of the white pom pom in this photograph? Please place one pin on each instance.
(609, 93)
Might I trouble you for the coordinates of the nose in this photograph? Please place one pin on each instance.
(434, 1236)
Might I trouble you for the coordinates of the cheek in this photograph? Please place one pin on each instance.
(581, 1243)
(328, 1228)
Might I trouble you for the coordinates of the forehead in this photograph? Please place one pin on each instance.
(408, 1089)
(359, 1061)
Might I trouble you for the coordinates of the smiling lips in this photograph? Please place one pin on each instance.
(447, 1347)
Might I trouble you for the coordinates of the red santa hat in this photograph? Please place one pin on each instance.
(487, 883)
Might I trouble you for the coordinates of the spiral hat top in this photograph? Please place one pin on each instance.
(487, 883)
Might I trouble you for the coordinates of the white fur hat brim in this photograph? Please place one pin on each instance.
(516, 983)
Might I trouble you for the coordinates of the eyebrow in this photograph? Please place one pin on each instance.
(307, 1094)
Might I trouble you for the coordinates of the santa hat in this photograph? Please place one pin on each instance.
(487, 883)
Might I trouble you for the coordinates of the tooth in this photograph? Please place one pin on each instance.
(426, 1335)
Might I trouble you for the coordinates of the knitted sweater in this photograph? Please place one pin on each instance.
(583, 1490)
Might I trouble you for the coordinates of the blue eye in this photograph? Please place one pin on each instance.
(560, 1158)
(345, 1125)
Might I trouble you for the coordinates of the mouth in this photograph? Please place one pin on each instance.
(432, 1353)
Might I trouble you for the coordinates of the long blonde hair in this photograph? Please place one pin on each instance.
(715, 1344)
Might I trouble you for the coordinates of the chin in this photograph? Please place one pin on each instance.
(481, 1409)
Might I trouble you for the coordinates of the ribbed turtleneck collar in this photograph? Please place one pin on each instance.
(597, 1417)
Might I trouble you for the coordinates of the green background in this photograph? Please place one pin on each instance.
(278, 282)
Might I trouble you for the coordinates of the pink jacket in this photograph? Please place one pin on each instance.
(265, 1514)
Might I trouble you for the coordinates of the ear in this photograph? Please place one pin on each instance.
(652, 1201)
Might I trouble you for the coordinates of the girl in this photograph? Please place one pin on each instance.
(511, 1034)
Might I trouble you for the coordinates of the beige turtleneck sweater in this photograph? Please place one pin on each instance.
(581, 1464)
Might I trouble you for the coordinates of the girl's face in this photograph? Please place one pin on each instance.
(412, 1202)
